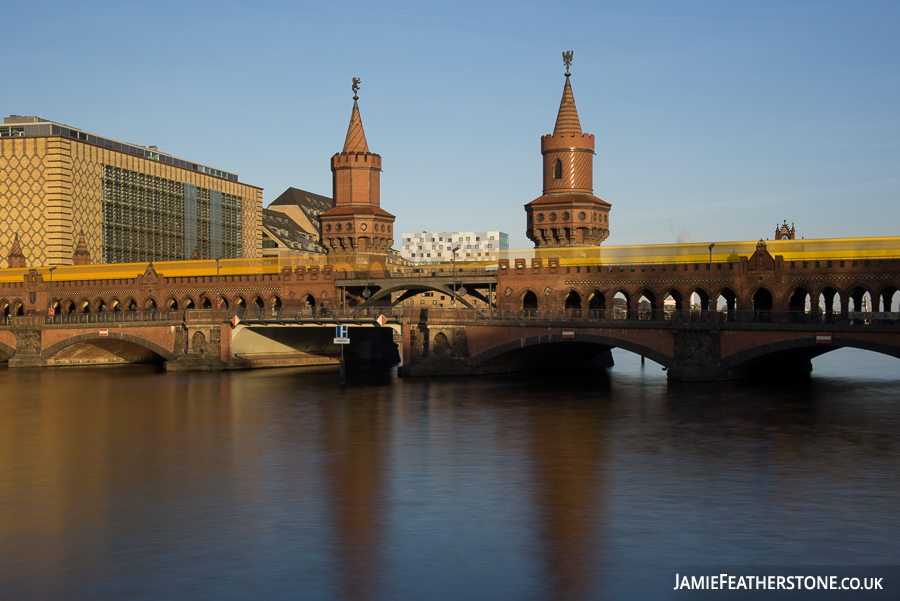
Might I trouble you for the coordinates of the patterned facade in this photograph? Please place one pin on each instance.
(54, 187)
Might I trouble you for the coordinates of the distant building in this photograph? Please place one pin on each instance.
(132, 203)
(783, 232)
(437, 247)
(291, 224)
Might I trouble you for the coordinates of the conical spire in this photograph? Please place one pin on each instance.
(356, 136)
(567, 120)
(16, 250)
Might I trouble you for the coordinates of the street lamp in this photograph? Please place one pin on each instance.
(709, 304)
(453, 250)
(218, 294)
(52, 311)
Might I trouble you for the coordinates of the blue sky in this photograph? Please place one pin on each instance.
(718, 119)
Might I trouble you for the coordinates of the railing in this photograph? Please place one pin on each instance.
(279, 314)
(419, 272)
(80, 318)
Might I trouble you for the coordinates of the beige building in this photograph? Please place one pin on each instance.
(133, 203)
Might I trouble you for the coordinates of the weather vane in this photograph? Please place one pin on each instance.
(567, 59)
(355, 88)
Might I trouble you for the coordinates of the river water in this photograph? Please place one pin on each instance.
(131, 483)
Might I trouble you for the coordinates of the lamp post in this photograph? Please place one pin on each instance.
(709, 304)
(453, 250)
(52, 311)
(218, 294)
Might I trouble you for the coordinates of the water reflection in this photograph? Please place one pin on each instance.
(132, 483)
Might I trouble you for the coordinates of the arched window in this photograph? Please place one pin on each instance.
(557, 169)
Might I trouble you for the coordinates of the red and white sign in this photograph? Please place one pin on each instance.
(823, 338)
(568, 333)
(235, 320)
(381, 320)
(104, 332)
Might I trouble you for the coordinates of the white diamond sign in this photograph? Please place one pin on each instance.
(381, 320)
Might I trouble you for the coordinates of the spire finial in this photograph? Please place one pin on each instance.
(567, 59)
(355, 88)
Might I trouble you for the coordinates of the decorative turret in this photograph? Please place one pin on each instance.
(568, 214)
(81, 256)
(357, 223)
(783, 232)
(16, 259)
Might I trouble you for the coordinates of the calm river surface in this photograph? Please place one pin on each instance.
(130, 483)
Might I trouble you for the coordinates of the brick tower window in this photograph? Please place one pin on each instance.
(557, 169)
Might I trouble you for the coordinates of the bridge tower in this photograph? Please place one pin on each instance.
(357, 223)
(568, 214)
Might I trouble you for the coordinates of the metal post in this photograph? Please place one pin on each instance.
(454, 274)
(343, 367)
(51, 312)
(218, 294)
(709, 304)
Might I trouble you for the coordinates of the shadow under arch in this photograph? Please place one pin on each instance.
(788, 352)
(54, 349)
(495, 353)
(6, 352)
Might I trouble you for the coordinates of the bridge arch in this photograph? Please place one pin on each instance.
(795, 347)
(528, 299)
(6, 351)
(54, 349)
(495, 352)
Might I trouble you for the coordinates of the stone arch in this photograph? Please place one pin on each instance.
(150, 304)
(650, 296)
(114, 306)
(6, 351)
(606, 341)
(53, 349)
(702, 293)
(5, 308)
(805, 348)
(83, 306)
(130, 304)
(204, 302)
(100, 306)
(308, 301)
(171, 304)
(885, 296)
(223, 302)
(856, 292)
(571, 300)
(69, 306)
(618, 312)
(762, 301)
(274, 301)
(797, 298)
(729, 295)
(257, 301)
(239, 302)
(597, 303)
(187, 303)
(528, 300)
(18, 308)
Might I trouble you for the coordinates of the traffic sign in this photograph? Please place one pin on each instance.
(235, 320)
(104, 332)
(568, 333)
(340, 332)
(381, 320)
(823, 338)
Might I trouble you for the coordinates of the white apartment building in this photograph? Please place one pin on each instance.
(437, 247)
